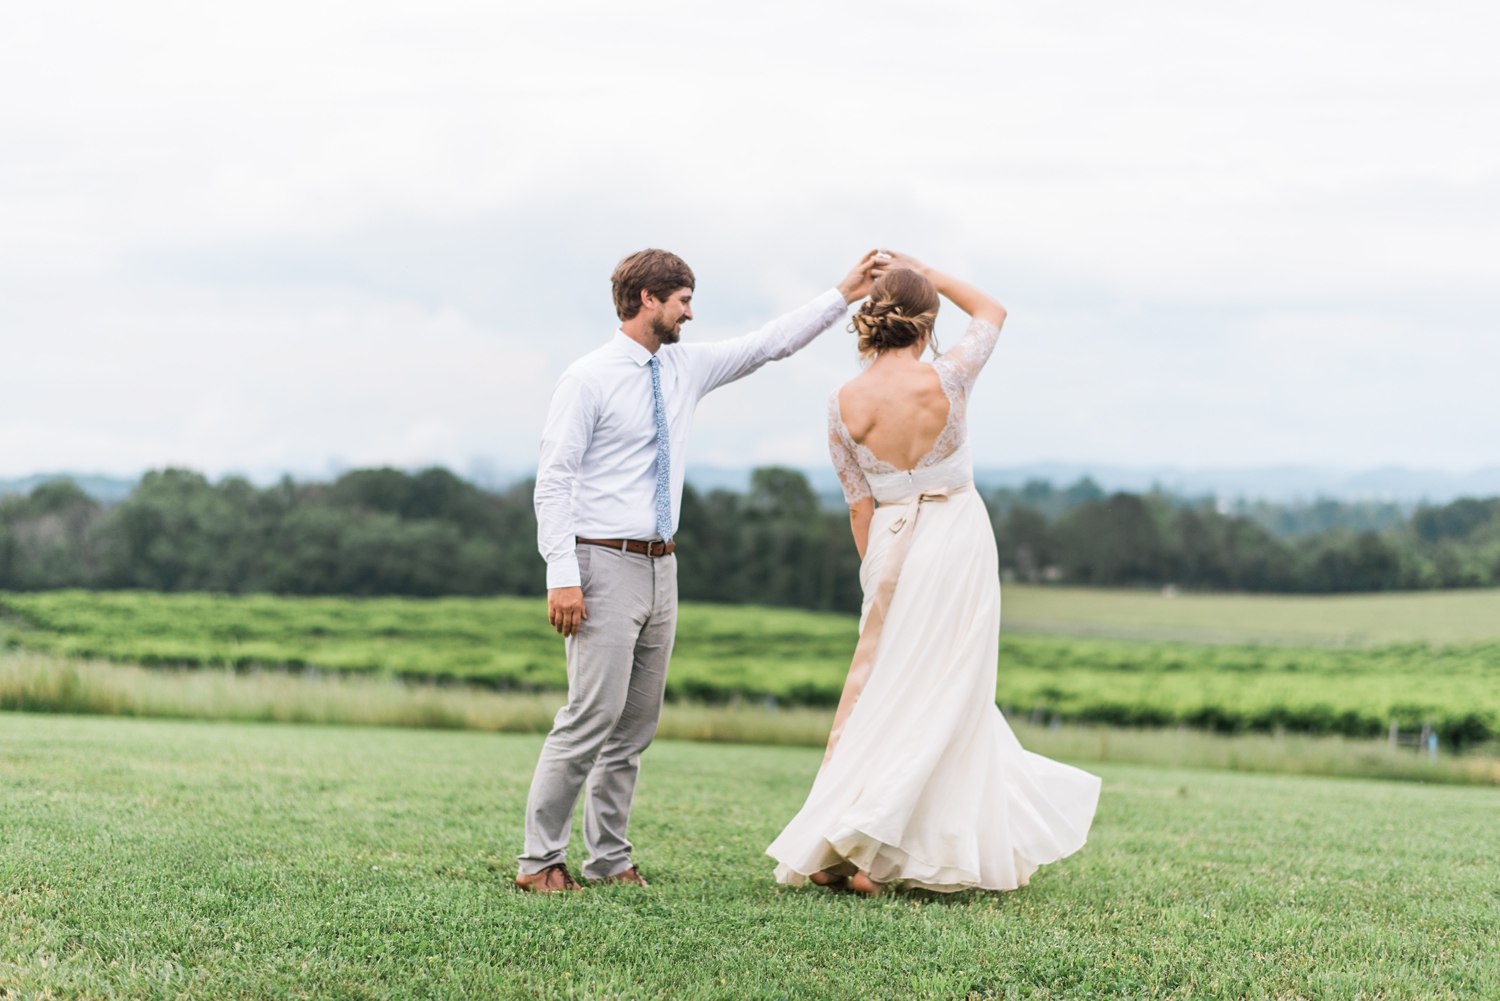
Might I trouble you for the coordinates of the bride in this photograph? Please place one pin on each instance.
(923, 780)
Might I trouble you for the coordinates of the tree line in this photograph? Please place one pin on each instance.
(384, 531)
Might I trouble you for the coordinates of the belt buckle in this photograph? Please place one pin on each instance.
(651, 549)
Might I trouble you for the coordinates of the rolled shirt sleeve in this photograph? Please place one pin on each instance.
(565, 437)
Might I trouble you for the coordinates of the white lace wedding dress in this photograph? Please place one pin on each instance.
(924, 781)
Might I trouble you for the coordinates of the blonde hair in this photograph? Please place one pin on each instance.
(899, 313)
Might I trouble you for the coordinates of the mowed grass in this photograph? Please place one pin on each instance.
(1433, 617)
(724, 653)
(155, 859)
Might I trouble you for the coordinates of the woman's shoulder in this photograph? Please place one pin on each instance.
(854, 388)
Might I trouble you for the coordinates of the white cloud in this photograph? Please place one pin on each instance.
(266, 381)
(284, 236)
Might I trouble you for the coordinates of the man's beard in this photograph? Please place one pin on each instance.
(667, 333)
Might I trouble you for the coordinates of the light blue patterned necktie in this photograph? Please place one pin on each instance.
(663, 458)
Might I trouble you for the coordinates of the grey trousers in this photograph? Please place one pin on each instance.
(617, 674)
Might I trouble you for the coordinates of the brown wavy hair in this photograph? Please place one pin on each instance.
(899, 313)
(656, 271)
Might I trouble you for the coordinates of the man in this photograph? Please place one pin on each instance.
(608, 494)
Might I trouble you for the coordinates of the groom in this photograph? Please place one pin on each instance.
(608, 492)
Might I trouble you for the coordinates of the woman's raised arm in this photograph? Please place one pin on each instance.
(979, 305)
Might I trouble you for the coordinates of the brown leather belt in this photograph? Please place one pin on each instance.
(652, 549)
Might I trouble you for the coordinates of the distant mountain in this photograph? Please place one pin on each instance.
(1289, 484)
(1283, 484)
(1279, 484)
(102, 488)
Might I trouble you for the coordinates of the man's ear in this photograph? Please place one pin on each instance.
(649, 301)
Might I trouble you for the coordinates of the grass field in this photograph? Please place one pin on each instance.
(800, 658)
(164, 860)
(1431, 617)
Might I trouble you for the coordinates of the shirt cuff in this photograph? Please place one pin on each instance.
(833, 297)
(563, 572)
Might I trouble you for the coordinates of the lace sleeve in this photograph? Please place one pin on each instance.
(961, 363)
(841, 451)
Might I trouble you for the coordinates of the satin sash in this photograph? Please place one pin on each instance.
(904, 527)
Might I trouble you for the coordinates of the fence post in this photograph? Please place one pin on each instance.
(1395, 734)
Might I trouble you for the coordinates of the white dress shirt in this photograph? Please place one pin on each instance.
(597, 475)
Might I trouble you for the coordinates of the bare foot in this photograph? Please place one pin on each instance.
(830, 880)
(865, 886)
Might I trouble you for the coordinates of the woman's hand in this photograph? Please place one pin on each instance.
(860, 513)
(900, 260)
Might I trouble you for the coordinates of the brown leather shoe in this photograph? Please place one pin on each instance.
(553, 879)
(631, 876)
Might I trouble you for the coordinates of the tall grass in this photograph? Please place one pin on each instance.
(45, 684)
(728, 653)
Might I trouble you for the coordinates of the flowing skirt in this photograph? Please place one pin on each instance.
(927, 783)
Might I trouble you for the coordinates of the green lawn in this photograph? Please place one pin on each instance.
(154, 859)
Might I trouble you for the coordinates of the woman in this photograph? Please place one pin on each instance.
(924, 781)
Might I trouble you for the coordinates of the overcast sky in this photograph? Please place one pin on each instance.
(306, 236)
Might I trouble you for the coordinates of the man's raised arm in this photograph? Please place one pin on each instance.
(725, 361)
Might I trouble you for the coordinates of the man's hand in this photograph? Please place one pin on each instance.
(565, 609)
(856, 284)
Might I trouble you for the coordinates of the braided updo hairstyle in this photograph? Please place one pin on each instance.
(899, 313)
